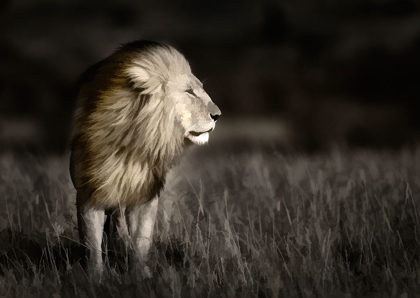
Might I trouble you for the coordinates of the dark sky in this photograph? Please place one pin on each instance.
(342, 71)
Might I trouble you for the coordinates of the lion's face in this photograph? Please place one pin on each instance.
(196, 114)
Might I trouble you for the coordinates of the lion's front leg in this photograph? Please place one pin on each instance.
(91, 223)
(141, 222)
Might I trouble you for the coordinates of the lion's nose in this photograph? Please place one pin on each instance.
(215, 116)
(215, 112)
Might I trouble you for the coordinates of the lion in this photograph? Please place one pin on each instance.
(137, 110)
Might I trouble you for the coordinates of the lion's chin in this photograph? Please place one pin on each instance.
(200, 139)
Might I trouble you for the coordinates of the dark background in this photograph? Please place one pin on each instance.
(307, 74)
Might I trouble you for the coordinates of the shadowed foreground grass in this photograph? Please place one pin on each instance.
(244, 225)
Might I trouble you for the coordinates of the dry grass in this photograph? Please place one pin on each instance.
(244, 225)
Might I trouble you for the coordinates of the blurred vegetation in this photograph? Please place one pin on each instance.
(341, 71)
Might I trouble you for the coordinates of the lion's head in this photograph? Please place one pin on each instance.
(163, 72)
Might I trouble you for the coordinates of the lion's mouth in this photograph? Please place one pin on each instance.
(199, 138)
(196, 133)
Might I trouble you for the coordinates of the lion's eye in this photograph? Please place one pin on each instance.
(190, 91)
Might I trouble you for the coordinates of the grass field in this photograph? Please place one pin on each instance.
(250, 224)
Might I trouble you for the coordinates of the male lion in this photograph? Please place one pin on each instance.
(136, 112)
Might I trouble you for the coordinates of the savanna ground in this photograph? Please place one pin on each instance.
(249, 224)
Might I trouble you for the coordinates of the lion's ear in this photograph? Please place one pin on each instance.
(139, 74)
(142, 78)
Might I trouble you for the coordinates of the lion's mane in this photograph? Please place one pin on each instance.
(124, 136)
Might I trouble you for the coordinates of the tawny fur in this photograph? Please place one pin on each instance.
(136, 111)
(124, 137)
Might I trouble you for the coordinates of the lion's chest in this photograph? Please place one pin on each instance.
(125, 182)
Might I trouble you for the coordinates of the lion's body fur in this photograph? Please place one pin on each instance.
(124, 136)
(136, 111)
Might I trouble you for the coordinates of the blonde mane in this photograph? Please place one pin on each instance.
(127, 125)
